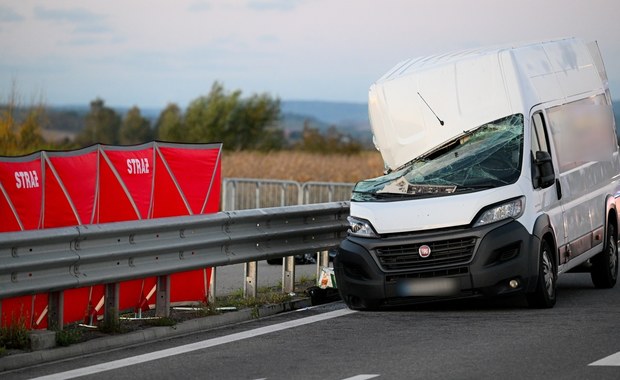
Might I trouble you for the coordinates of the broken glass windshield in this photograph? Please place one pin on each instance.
(484, 157)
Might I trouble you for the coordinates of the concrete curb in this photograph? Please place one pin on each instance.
(11, 362)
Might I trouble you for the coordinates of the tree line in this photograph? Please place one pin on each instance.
(240, 123)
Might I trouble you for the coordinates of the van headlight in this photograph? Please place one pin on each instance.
(511, 209)
(361, 227)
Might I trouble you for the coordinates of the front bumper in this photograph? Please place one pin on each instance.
(467, 262)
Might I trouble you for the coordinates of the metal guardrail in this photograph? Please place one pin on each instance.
(53, 260)
(249, 193)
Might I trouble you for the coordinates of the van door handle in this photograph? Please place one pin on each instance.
(558, 188)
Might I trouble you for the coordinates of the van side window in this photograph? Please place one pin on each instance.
(582, 131)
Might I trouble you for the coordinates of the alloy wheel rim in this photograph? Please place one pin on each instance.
(613, 258)
(548, 273)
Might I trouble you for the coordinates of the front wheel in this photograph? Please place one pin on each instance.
(605, 264)
(362, 304)
(545, 294)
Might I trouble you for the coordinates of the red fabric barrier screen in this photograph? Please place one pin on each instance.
(103, 184)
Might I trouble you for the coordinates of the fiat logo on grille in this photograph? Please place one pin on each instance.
(424, 251)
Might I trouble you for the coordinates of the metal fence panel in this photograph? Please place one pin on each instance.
(320, 192)
(243, 193)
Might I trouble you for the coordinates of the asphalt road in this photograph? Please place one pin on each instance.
(457, 340)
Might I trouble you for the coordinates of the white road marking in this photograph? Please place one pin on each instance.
(194, 346)
(611, 360)
(361, 377)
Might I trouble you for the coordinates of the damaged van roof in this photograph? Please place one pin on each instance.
(422, 103)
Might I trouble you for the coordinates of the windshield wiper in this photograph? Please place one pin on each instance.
(475, 187)
(407, 195)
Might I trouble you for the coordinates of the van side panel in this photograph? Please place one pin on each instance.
(586, 151)
(558, 69)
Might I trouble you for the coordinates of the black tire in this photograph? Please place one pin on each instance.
(544, 296)
(356, 303)
(605, 265)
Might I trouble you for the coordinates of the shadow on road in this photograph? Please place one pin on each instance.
(572, 288)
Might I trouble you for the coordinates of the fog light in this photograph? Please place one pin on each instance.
(513, 284)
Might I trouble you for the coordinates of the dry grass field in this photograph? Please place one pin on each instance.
(301, 166)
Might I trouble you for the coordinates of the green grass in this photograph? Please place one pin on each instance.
(265, 296)
(307, 281)
(111, 325)
(15, 335)
(163, 321)
(68, 337)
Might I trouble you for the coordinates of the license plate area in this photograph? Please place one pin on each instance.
(428, 287)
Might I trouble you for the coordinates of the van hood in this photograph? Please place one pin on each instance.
(430, 213)
(421, 104)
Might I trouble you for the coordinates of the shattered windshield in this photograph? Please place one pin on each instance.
(484, 157)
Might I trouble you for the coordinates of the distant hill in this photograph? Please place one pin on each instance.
(337, 113)
(348, 118)
(351, 117)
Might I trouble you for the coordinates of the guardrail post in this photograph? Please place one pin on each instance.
(111, 303)
(250, 271)
(323, 261)
(324, 258)
(288, 274)
(162, 303)
(55, 306)
(212, 285)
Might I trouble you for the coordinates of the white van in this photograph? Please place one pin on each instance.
(502, 173)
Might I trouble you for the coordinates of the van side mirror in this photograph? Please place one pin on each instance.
(545, 168)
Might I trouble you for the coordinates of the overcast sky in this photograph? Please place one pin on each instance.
(152, 52)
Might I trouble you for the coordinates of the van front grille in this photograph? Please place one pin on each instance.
(443, 252)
